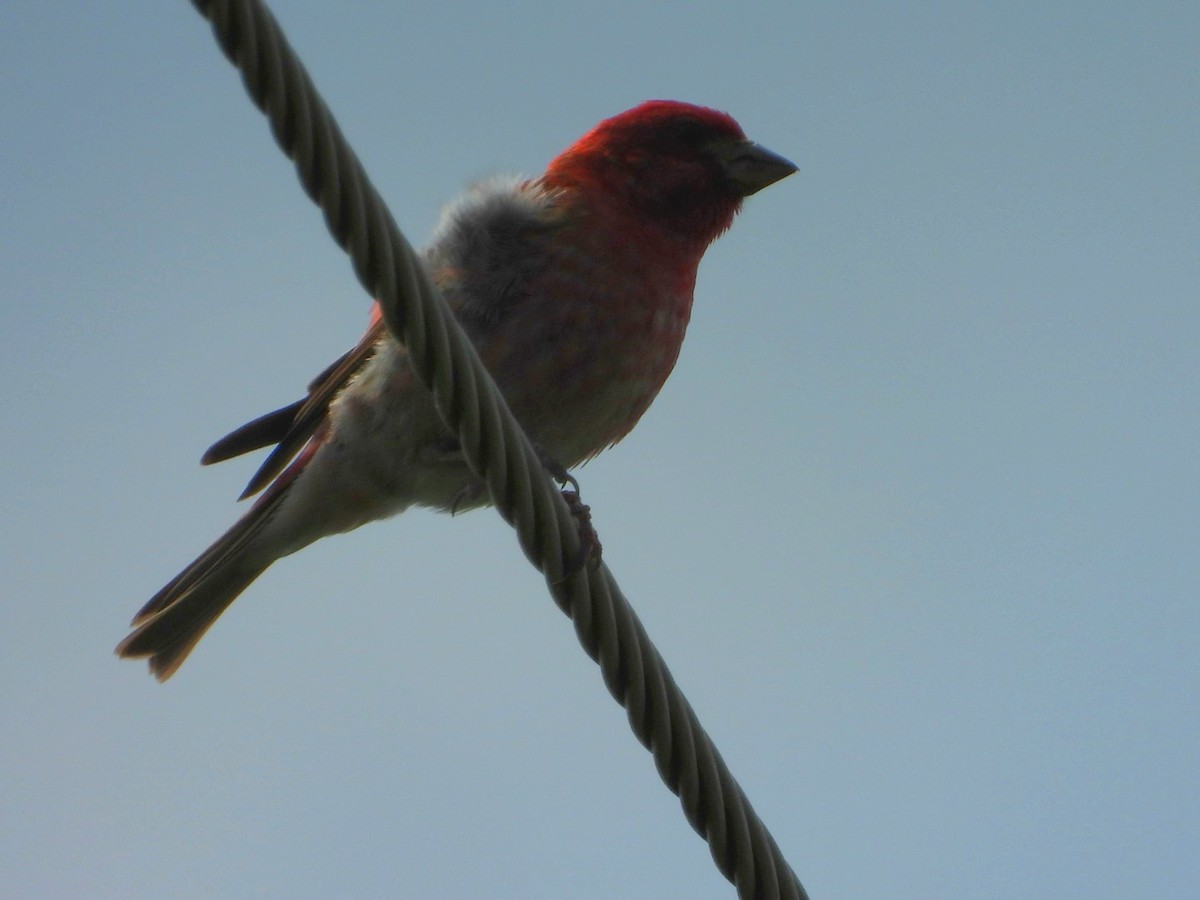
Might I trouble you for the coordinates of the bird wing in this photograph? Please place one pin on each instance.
(290, 427)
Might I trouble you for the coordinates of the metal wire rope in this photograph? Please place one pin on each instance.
(499, 452)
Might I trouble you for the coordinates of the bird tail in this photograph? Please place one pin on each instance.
(169, 626)
(165, 638)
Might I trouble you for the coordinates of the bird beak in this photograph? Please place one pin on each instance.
(749, 167)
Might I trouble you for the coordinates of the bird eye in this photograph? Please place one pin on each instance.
(690, 131)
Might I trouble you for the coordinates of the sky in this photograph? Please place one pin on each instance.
(914, 521)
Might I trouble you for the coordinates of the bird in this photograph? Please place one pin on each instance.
(575, 288)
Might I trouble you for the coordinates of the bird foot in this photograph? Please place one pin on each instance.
(590, 549)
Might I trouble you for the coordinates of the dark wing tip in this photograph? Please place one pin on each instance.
(261, 432)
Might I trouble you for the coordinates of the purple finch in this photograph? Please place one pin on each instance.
(575, 287)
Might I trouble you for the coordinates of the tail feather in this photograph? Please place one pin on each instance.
(166, 638)
(168, 627)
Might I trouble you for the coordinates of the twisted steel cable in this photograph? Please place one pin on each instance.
(499, 452)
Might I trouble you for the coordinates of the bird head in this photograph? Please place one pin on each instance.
(685, 167)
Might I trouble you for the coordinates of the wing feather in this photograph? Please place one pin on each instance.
(290, 427)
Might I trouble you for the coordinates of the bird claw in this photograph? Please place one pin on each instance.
(590, 549)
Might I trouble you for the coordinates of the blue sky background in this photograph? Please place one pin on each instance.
(914, 521)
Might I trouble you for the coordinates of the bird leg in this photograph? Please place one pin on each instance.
(590, 549)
